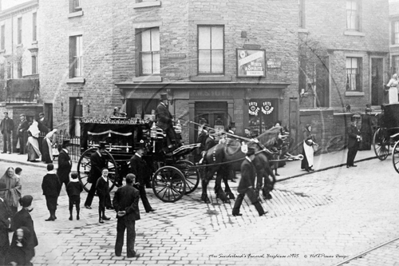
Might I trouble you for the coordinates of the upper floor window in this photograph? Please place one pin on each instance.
(211, 49)
(395, 32)
(34, 27)
(75, 56)
(19, 30)
(3, 36)
(148, 47)
(353, 15)
(354, 74)
(301, 4)
(34, 64)
(74, 6)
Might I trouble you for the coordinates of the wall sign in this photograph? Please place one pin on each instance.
(251, 63)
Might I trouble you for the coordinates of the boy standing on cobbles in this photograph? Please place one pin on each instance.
(74, 188)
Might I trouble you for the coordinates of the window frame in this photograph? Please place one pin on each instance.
(357, 13)
(19, 36)
(19, 69)
(395, 67)
(74, 6)
(34, 65)
(3, 37)
(302, 18)
(140, 52)
(76, 63)
(223, 51)
(395, 32)
(34, 27)
(358, 76)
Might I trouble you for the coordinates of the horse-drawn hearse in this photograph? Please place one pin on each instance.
(387, 134)
(171, 174)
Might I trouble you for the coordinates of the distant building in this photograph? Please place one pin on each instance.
(394, 36)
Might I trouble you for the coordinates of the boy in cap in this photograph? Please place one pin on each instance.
(354, 139)
(246, 185)
(22, 132)
(64, 164)
(7, 127)
(74, 188)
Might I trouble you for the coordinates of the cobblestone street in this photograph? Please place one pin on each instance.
(322, 218)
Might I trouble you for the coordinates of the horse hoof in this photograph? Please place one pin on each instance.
(226, 201)
(267, 197)
(205, 199)
(231, 196)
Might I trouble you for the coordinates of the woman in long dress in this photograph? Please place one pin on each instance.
(33, 143)
(47, 146)
(308, 141)
(393, 89)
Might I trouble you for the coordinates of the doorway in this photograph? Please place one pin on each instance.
(377, 92)
(214, 113)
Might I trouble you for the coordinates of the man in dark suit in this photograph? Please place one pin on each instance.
(164, 121)
(7, 127)
(138, 167)
(354, 138)
(64, 164)
(126, 204)
(5, 219)
(246, 185)
(22, 132)
(97, 162)
(51, 186)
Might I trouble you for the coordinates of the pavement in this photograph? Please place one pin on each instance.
(189, 232)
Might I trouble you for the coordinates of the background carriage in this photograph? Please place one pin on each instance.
(171, 174)
(387, 134)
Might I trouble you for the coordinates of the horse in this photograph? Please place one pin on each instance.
(227, 157)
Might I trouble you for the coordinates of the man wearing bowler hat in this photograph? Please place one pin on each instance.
(7, 127)
(97, 162)
(64, 163)
(246, 185)
(354, 138)
(22, 132)
(164, 121)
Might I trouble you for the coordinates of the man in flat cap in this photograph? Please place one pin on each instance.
(22, 132)
(246, 185)
(64, 164)
(7, 127)
(354, 138)
(164, 121)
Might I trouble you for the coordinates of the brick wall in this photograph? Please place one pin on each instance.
(326, 23)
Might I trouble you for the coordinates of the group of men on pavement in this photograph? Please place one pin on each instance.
(8, 128)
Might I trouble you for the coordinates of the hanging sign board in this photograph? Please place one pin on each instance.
(251, 63)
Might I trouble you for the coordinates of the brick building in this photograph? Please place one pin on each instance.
(394, 36)
(344, 61)
(215, 59)
(19, 73)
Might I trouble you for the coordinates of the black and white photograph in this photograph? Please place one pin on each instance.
(199, 132)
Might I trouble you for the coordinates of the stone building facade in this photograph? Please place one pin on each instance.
(214, 59)
(394, 36)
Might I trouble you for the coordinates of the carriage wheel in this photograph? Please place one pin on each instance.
(395, 156)
(168, 184)
(191, 174)
(84, 167)
(380, 144)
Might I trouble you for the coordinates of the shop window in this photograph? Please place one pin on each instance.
(34, 64)
(147, 41)
(19, 68)
(141, 107)
(75, 56)
(353, 74)
(353, 15)
(210, 49)
(262, 115)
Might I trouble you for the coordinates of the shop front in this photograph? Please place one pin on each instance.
(256, 106)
